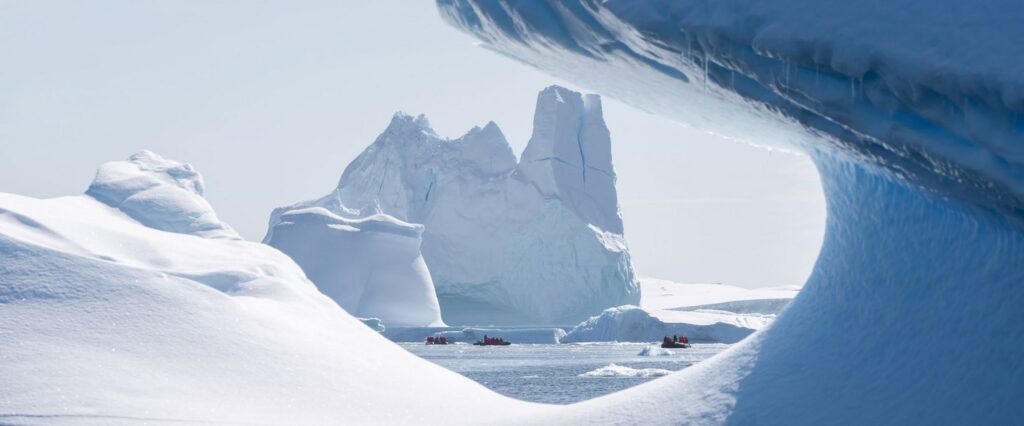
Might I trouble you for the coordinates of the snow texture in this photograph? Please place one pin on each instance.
(534, 242)
(912, 112)
(143, 310)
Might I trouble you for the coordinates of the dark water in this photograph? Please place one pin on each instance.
(554, 373)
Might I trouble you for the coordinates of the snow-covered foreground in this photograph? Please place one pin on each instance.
(911, 111)
(157, 311)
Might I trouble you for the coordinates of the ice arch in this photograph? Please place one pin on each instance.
(911, 111)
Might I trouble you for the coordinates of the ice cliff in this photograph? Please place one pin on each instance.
(371, 266)
(912, 112)
(534, 241)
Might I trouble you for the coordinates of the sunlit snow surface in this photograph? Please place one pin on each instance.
(911, 111)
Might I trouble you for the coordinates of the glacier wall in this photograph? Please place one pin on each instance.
(538, 241)
(911, 111)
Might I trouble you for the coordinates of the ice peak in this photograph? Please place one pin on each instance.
(569, 156)
(404, 124)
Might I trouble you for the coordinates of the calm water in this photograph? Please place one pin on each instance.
(557, 374)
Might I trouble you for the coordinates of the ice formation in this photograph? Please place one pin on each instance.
(911, 111)
(371, 266)
(634, 324)
(538, 241)
(654, 350)
(159, 193)
(115, 314)
(614, 370)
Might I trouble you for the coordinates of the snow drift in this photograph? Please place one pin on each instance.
(137, 305)
(912, 112)
(538, 241)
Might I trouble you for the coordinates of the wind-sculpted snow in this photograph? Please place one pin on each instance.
(912, 112)
(159, 193)
(533, 242)
(106, 319)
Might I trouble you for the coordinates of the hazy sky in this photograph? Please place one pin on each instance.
(271, 100)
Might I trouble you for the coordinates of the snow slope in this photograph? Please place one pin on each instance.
(911, 111)
(145, 312)
(534, 242)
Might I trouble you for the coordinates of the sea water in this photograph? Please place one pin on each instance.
(564, 373)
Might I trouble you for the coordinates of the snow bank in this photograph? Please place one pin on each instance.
(613, 370)
(911, 111)
(533, 242)
(634, 324)
(110, 316)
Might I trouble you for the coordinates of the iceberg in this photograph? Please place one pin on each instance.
(911, 111)
(538, 241)
(634, 324)
(370, 266)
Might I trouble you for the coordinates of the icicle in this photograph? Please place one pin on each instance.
(705, 72)
(787, 77)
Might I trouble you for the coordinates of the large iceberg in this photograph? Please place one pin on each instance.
(912, 112)
(536, 241)
(133, 307)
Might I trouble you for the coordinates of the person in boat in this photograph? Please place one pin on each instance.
(666, 341)
(675, 338)
(444, 340)
(685, 340)
(430, 340)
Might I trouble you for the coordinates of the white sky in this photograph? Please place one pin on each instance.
(271, 100)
